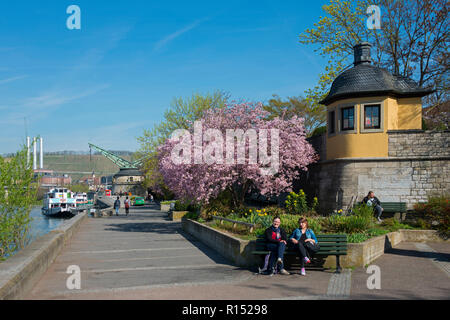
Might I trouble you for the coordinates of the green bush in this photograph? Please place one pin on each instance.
(363, 210)
(437, 209)
(167, 202)
(375, 232)
(357, 237)
(347, 224)
(192, 215)
(393, 224)
(181, 205)
(319, 130)
(296, 204)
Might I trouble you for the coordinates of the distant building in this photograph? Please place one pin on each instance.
(128, 180)
(48, 178)
(92, 181)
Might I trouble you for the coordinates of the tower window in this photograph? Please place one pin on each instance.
(372, 116)
(348, 118)
(331, 122)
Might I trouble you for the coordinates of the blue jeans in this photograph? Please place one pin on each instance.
(378, 210)
(276, 251)
(117, 210)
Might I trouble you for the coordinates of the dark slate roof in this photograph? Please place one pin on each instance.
(128, 172)
(365, 80)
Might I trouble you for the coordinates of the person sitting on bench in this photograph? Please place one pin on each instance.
(373, 201)
(305, 242)
(276, 244)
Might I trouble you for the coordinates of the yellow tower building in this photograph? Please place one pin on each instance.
(364, 103)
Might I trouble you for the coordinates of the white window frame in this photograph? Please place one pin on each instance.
(362, 117)
(355, 118)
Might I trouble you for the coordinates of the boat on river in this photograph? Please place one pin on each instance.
(59, 202)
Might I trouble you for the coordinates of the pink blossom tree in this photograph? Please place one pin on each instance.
(209, 158)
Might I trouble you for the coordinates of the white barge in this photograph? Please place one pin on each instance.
(58, 202)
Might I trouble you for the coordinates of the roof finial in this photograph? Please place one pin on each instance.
(361, 53)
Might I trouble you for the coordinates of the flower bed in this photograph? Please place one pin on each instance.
(359, 226)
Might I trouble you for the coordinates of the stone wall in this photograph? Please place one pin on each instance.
(418, 166)
(418, 143)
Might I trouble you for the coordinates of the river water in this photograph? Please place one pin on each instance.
(41, 224)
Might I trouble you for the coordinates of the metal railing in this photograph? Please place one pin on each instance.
(251, 226)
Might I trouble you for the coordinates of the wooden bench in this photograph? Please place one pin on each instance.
(397, 209)
(330, 245)
(393, 206)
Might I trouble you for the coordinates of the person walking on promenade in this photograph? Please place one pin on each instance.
(305, 242)
(117, 206)
(127, 206)
(373, 201)
(276, 244)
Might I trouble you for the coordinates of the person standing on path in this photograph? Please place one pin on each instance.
(117, 206)
(127, 206)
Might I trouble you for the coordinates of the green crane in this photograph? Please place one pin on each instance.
(122, 163)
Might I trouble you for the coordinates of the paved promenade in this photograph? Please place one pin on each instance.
(146, 256)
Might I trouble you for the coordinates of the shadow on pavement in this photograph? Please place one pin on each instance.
(420, 254)
(211, 253)
(166, 228)
(151, 227)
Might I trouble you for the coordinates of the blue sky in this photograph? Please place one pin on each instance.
(117, 75)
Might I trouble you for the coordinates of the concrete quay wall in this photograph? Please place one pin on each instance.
(19, 273)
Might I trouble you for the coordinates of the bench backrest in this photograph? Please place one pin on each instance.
(330, 244)
(394, 206)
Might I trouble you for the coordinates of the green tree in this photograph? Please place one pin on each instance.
(16, 199)
(314, 114)
(412, 41)
(180, 115)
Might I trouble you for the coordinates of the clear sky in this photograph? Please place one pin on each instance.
(117, 75)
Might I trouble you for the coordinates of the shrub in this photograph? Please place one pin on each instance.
(275, 211)
(296, 204)
(259, 217)
(357, 237)
(181, 205)
(436, 209)
(319, 130)
(392, 225)
(347, 224)
(192, 215)
(363, 210)
(167, 202)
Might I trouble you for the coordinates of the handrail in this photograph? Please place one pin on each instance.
(235, 222)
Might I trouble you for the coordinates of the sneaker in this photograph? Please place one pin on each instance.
(307, 260)
(303, 272)
(279, 261)
(284, 272)
(379, 220)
